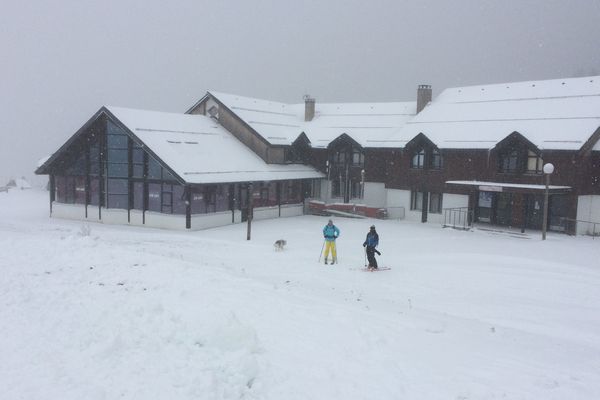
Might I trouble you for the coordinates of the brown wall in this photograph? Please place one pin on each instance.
(229, 121)
(581, 173)
(376, 168)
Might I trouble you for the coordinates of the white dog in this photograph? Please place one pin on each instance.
(279, 244)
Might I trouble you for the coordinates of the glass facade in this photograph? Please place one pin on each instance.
(108, 168)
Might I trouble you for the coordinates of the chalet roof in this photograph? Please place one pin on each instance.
(201, 151)
(280, 124)
(196, 149)
(560, 114)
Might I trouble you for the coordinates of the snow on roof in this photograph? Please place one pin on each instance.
(20, 183)
(200, 151)
(492, 185)
(281, 123)
(555, 114)
(367, 123)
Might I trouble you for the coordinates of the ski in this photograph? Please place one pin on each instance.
(375, 270)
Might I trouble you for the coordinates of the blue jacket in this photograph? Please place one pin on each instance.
(372, 240)
(331, 232)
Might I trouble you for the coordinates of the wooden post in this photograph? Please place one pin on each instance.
(250, 209)
(188, 206)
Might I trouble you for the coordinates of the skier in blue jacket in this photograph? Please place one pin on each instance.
(330, 232)
(371, 243)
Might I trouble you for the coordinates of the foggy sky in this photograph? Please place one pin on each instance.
(61, 61)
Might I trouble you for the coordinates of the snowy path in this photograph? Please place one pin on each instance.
(140, 313)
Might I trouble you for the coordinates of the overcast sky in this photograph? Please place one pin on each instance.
(61, 61)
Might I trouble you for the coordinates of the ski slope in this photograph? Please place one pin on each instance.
(116, 312)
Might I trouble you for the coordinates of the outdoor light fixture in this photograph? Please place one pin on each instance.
(548, 170)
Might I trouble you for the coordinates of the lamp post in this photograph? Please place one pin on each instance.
(548, 170)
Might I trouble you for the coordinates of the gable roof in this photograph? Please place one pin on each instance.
(560, 114)
(369, 124)
(200, 151)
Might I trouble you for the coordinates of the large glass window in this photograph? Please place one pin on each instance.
(137, 157)
(435, 203)
(138, 195)
(167, 198)
(179, 201)
(154, 198)
(94, 191)
(416, 201)
(117, 193)
(130, 177)
(154, 169)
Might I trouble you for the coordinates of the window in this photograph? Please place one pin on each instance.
(154, 169)
(418, 159)
(435, 160)
(534, 163)
(358, 158)
(117, 193)
(509, 161)
(213, 112)
(356, 189)
(138, 195)
(154, 201)
(435, 203)
(416, 201)
(117, 159)
(137, 157)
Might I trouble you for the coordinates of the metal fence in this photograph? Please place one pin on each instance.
(575, 226)
(458, 218)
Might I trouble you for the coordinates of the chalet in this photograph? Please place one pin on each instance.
(482, 149)
(476, 152)
(168, 170)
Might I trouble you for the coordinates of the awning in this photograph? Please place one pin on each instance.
(510, 187)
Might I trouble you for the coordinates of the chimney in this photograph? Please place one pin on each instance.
(309, 108)
(423, 97)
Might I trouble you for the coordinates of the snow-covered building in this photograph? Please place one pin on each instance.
(482, 149)
(474, 152)
(18, 183)
(168, 170)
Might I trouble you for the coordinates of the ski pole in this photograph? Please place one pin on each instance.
(321, 253)
(365, 256)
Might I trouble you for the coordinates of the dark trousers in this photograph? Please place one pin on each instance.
(371, 256)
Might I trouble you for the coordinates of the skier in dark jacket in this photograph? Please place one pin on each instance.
(371, 243)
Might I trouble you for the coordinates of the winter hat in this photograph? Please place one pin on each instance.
(373, 227)
(330, 221)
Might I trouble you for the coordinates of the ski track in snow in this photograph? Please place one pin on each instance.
(102, 312)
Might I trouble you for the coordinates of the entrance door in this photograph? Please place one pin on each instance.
(484, 207)
(503, 209)
(535, 211)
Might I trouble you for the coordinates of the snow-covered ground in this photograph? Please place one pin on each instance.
(116, 312)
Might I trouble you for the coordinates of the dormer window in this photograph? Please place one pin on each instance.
(358, 158)
(426, 158)
(509, 161)
(418, 159)
(534, 163)
(435, 160)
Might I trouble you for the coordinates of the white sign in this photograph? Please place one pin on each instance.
(490, 188)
